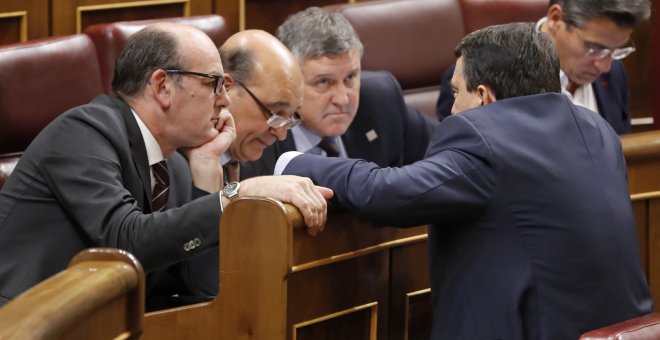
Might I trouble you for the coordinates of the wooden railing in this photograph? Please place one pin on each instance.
(100, 296)
(642, 153)
(352, 281)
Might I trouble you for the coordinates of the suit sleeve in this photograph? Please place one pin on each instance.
(86, 179)
(455, 180)
(418, 129)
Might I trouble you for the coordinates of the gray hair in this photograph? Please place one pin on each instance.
(624, 13)
(316, 32)
(238, 62)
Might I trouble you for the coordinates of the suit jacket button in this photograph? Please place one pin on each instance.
(198, 242)
(186, 246)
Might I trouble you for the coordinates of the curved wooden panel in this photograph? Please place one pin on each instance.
(100, 296)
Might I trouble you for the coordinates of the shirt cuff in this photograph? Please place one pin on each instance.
(222, 208)
(284, 160)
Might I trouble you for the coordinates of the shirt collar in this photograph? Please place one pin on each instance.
(154, 153)
(305, 138)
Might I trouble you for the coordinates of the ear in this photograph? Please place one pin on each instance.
(555, 16)
(486, 94)
(160, 88)
(229, 81)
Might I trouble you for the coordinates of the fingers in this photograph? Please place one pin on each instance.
(319, 208)
(299, 191)
(326, 192)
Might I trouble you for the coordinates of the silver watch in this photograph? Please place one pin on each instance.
(231, 190)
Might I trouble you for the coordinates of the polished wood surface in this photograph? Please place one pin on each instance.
(642, 153)
(277, 282)
(100, 296)
(36, 20)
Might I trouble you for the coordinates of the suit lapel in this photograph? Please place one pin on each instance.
(138, 152)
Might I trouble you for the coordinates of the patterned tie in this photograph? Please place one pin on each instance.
(328, 145)
(162, 187)
(231, 171)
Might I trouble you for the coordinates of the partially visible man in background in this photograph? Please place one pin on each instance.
(591, 38)
(347, 112)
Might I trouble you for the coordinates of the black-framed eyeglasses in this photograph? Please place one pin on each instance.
(602, 53)
(272, 119)
(218, 80)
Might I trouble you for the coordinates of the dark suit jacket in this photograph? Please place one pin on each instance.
(610, 89)
(532, 232)
(403, 131)
(85, 182)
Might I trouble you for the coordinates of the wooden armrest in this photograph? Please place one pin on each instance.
(100, 295)
(641, 145)
(644, 327)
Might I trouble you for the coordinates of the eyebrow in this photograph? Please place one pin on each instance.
(597, 45)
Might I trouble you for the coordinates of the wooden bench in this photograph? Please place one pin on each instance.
(642, 152)
(100, 296)
(352, 281)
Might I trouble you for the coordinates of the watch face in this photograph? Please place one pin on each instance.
(231, 186)
(231, 189)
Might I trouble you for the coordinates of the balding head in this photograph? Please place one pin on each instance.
(156, 46)
(256, 60)
(254, 53)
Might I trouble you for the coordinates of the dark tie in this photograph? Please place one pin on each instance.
(231, 171)
(328, 145)
(161, 188)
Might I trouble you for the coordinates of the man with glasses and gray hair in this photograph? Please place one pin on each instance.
(591, 38)
(347, 112)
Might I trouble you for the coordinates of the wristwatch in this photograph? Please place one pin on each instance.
(231, 190)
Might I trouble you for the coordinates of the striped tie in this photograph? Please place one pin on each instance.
(328, 145)
(231, 171)
(162, 187)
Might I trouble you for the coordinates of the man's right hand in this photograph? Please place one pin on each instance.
(204, 160)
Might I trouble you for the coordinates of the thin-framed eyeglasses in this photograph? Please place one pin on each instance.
(599, 53)
(218, 80)
(272, 119)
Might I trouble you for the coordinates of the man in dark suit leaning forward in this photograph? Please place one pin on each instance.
(532, 234)
(85, 181)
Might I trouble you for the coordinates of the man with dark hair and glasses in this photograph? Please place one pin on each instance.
(108, 174)
(347, 112)
(591, 38)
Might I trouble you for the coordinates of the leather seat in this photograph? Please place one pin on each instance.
(415, 40)
(645, 327)
(110, 38)
(40, 80)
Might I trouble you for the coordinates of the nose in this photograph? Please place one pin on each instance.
(603, 65)
(222, 99)
(280, 133)
(340, 97)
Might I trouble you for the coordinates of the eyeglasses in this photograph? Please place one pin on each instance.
(272, 119)
(217, 79)
(602, 53)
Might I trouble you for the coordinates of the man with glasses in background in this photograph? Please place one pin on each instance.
(591, 38)
(108, 174)
(347, 112)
